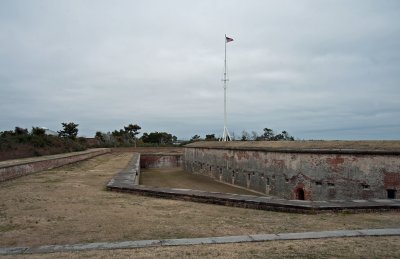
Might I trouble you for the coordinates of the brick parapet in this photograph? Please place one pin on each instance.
(12, 169)
(313, 147)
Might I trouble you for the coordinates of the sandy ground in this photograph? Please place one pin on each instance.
(177, 178)
(70, 205)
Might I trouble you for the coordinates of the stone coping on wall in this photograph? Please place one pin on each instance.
(320, 147)
(129, 175)
(254, 202)
(131, 244)
(150, 150)
(161, 154)
(23, 161)
(15, 168)
(127, 180)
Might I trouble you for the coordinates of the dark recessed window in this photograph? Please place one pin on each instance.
(319, 183)
(365, 186)
(331, 185)
(391, 194)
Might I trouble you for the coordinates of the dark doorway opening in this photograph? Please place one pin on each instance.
(300, 194)
(391, 194)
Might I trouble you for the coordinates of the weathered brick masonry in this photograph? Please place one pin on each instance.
(312, 173)
(160, 160)
(19, 167)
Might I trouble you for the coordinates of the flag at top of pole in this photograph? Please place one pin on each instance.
(225, 135)
(228, 39)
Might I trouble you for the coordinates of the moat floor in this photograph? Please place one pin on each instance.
(177, 178)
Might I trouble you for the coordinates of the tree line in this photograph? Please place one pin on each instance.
(127, 136)
(67, 138)
(21, 142)
(267, 135)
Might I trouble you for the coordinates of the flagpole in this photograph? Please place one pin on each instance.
(225, 135)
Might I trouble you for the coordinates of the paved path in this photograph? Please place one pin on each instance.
(199, 241)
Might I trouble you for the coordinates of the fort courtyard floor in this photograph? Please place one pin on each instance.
(70, 204)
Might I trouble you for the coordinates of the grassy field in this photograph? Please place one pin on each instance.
(70, 205)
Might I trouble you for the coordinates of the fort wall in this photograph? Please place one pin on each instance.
(300, 173)
(160, 160)
(11, 169)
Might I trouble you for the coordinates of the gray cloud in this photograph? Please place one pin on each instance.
(319, 69)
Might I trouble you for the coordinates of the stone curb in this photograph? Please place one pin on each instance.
(11, 169)
(199, 241)
(252, 202)
(127, 180)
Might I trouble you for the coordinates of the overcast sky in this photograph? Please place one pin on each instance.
(318, 69)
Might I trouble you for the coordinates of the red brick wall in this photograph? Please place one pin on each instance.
(25, 168)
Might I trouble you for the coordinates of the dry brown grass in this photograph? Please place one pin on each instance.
(177, 178)
(392, 145)
(360, 247)
(69, 205)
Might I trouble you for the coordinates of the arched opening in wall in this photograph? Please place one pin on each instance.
(300, 194)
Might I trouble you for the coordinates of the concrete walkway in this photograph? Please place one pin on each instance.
(199, 241)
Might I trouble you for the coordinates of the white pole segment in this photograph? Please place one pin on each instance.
(225, 134)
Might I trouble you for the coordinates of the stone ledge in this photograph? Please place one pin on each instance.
(130, 175)
(19, 167)
(128, 181)
(253, 202)
(199, 241)
(313, 147)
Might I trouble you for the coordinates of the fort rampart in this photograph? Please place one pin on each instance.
(11, 169)
(304, 170)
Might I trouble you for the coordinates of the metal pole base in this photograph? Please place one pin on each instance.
(225, 135)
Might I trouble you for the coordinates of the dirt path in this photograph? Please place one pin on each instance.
(70, 205)
(177, 178)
